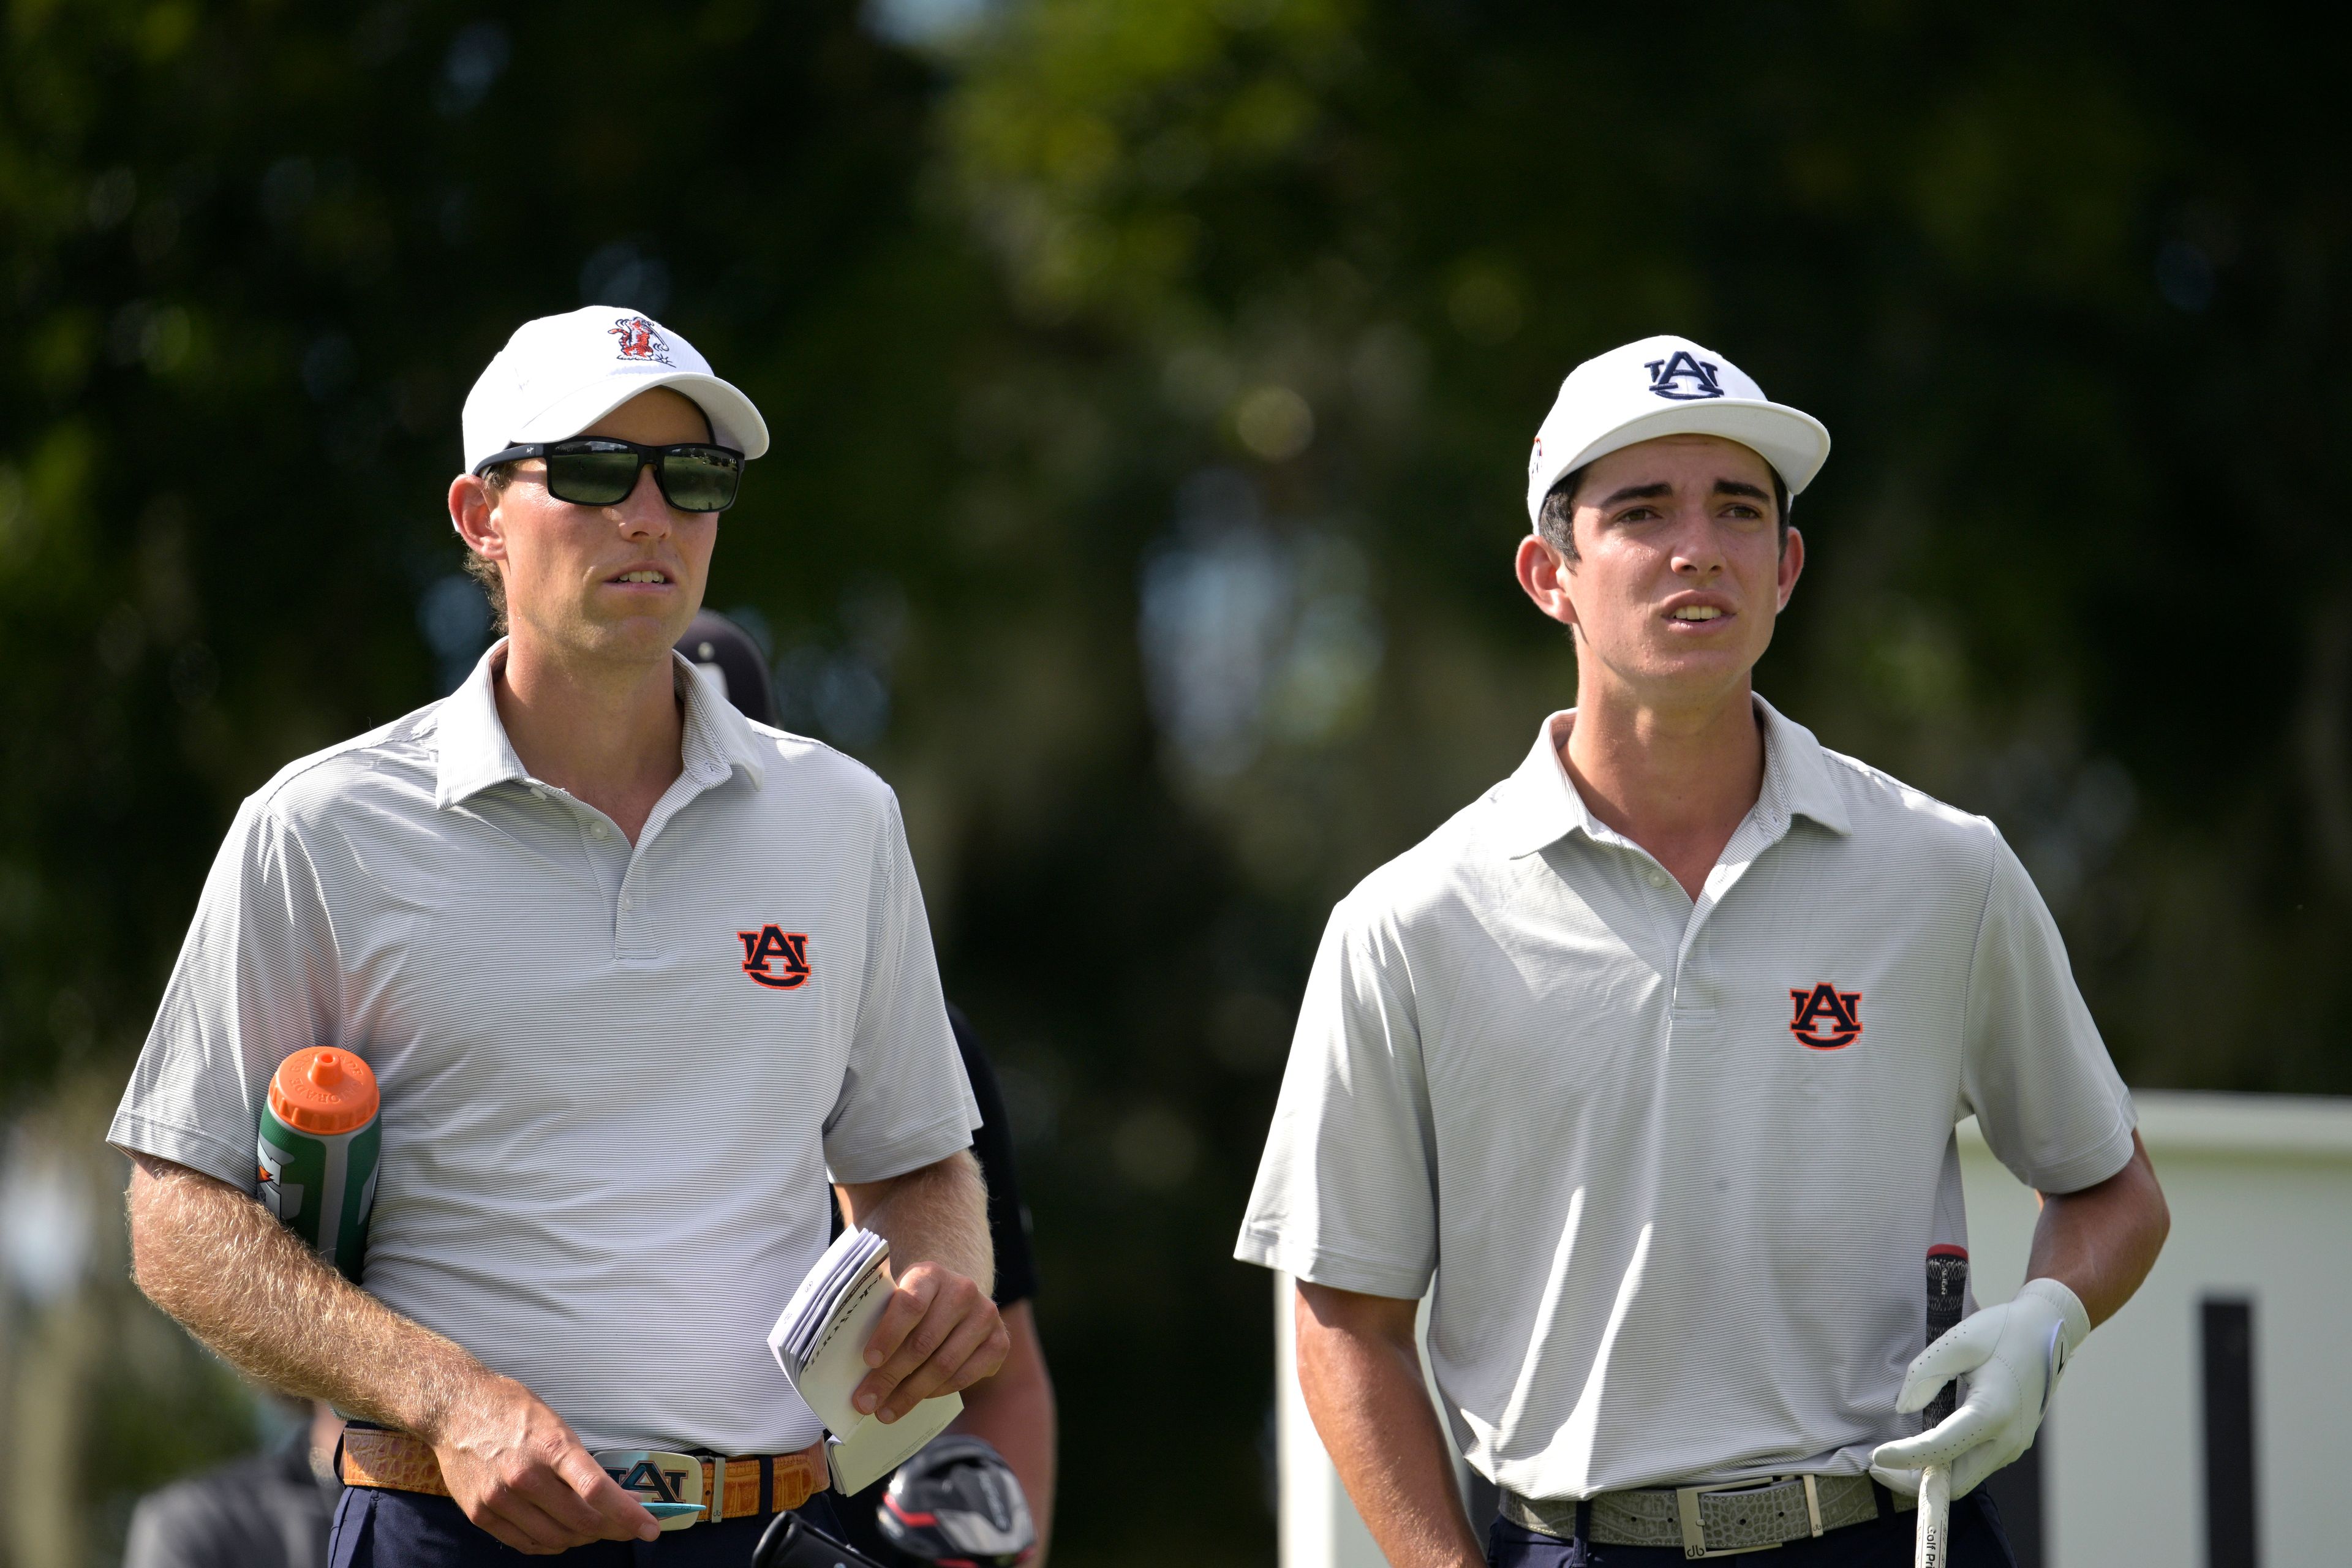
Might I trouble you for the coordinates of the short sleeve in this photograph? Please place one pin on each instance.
(904, 1102)
(1346, 1193)
(2037, 1075)
(256, 981)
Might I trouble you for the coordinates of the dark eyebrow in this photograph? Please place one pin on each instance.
(1639, 492)
(1740, 488)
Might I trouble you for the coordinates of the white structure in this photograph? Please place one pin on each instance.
(2261, 1190)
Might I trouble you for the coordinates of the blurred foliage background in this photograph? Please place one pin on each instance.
(1152, 382)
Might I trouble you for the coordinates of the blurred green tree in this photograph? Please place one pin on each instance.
(1151, 386)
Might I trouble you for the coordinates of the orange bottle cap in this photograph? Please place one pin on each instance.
(323, 1091)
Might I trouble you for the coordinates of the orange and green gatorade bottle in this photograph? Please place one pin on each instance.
(319, 1137)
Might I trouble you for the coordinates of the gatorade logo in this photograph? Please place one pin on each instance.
(774, 957)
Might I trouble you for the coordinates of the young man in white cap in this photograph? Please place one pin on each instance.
(636, 978)
(1645, 1067)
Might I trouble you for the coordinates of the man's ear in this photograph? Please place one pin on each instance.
(1544, 575)
(1792, 563)
(475, 517)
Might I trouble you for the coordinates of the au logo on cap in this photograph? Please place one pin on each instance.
(638, 340)
(1684, 377)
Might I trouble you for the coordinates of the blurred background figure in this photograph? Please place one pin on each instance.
(270, 1510)
(1013, 1411)
(727, 656)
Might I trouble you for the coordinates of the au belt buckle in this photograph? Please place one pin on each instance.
(658, 1476)
(1694, 1533)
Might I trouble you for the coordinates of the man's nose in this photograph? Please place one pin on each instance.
(644, 511)
(1697, 551)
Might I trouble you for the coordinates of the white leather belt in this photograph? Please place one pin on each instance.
(1709, 1521)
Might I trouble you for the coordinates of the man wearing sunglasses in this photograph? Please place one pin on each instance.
(638, 978)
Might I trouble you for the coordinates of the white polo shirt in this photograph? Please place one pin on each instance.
(1675, 1166)
(607, 1129)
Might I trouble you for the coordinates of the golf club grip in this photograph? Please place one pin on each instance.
(1947, 1293)
(1934, 1544)
(793, 1542)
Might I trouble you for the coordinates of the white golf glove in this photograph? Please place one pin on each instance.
(2012, 1354)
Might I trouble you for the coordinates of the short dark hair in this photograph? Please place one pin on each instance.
(1556, 519)
(481, 568)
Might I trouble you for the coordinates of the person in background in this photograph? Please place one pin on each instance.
(1013, 1411)
(270, 1509)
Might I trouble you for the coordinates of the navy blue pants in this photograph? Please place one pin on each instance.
(1888, 1541)
(378, 1529)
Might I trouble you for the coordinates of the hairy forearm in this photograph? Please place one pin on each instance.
(935, 1215)
(1014, 1413)
(1360, 1372)
(246, 1286)
(2101, 1242)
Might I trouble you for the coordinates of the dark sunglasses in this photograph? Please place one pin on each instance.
(597, 470)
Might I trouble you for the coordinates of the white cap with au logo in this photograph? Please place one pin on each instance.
(559, 374)
(1667, 386)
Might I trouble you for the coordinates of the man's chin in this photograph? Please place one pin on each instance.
(645, 636)
(1679, 675)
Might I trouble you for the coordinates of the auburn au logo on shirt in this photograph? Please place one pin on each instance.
(774, 957)
(1826, 1018)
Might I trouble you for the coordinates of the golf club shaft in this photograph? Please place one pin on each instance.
(1935, 1517)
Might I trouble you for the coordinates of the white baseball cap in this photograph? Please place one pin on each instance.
(1667, 386)
(559, 374)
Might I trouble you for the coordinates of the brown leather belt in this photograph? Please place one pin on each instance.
(751, 1486)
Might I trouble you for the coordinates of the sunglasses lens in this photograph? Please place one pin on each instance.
(702, 480)
(591, 479)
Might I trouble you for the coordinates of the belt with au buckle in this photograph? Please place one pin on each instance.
(1708, 1521)
(680, 1489)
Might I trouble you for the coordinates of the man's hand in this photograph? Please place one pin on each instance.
(242, 1283)
(2014, 1352)
(524, 1476)
(939, 1333)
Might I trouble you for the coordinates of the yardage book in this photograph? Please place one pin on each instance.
(820, 1342)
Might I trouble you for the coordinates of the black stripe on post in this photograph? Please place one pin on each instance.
(2228, 1348)
(2017, 1496)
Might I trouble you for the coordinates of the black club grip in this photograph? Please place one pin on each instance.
(1947, 1289)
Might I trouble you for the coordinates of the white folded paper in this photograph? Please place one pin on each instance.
(820, 1342)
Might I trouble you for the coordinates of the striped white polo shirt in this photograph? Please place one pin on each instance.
(607, 1125)
(1674, 1165)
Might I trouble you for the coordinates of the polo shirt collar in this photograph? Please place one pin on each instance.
(477, 754)
(1798, 771)
(474, 751)
(719, 739)
(1541, 804)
